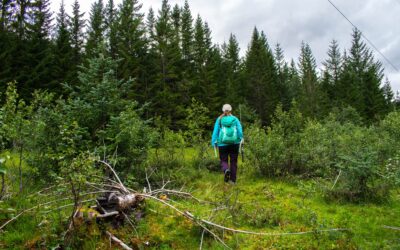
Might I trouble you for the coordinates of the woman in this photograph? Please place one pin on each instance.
(227, 136)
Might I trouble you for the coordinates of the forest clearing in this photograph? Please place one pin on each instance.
(112, 135)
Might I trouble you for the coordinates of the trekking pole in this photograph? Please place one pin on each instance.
(241, 149)
(215, 150)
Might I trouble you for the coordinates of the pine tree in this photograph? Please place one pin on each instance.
(95, 29)
(231, 63)
(20, 17)
(310, 99)
(111, 28)
(39, 53)
(132, 45)
(63, 54)
(7, 43)
(331, 73)
(99, 95)
(282, 78)
(76, 25)
(200, 49)
(388, 94)
(167, 101)
(6, 8)
(187, 35)
(260, 77)
(293, 83)
(360, 82)
(16, 20)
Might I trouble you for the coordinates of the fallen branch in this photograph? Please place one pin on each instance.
(115, 174)
(118, 241)
(391, 227)
(189, 217)
(269, 234)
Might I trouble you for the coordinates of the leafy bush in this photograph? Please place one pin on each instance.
(361, 161)
(274, 151)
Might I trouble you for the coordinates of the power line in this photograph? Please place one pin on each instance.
(376, 49)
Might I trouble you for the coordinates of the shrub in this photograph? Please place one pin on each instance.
(273, 151)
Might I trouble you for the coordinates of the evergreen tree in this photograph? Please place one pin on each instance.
(76, 25)
(39, 54)
(331, 73)
(388, 94)
(282, 78)
(99, 94)
(187, 35)
(200, 49)
(131, 45)
(310, 99)
(359, 85)
(260, 77)
(7, 43)
(63, 54)
(95, 29)
(16, 19)
(111, 28)
(6, 12)
(167, 102)
(294, 82)
(231, 65)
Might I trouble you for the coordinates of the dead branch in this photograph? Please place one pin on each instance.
(189, 217)
(269, 234)
(115, 174)
(118, 241)
(391, 227)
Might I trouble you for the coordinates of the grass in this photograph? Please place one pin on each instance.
(255, 203)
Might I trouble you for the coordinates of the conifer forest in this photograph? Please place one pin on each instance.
(106, 124)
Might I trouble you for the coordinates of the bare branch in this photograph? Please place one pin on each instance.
(391, 227)
(115, 174)
(118, 241)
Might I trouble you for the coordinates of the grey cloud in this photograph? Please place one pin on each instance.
(291, 21)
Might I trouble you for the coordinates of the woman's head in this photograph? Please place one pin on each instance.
(227, 109)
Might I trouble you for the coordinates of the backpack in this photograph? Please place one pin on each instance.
(228, 130)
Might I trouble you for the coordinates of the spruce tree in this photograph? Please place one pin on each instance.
(63, 54)
(187, 34)
(388, 94)
(310, 100)
(76, 25)
(231, 63)
(293, 82)
(111, 28)
(360, 82)
(95, 29)
(131, 45)
(331, 73)
(7, 43)
(39, 53)
(282, 78)
(260, 77)
(167, 102)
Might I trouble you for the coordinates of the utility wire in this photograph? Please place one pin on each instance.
(376, 49)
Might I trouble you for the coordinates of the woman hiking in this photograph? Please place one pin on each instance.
(227, 136)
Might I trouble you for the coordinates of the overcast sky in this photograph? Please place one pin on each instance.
(289, 22)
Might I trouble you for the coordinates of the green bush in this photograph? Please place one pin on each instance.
(127, 140)
(274, 151)
(360, 160)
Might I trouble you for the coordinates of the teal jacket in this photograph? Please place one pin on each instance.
(217, 128)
